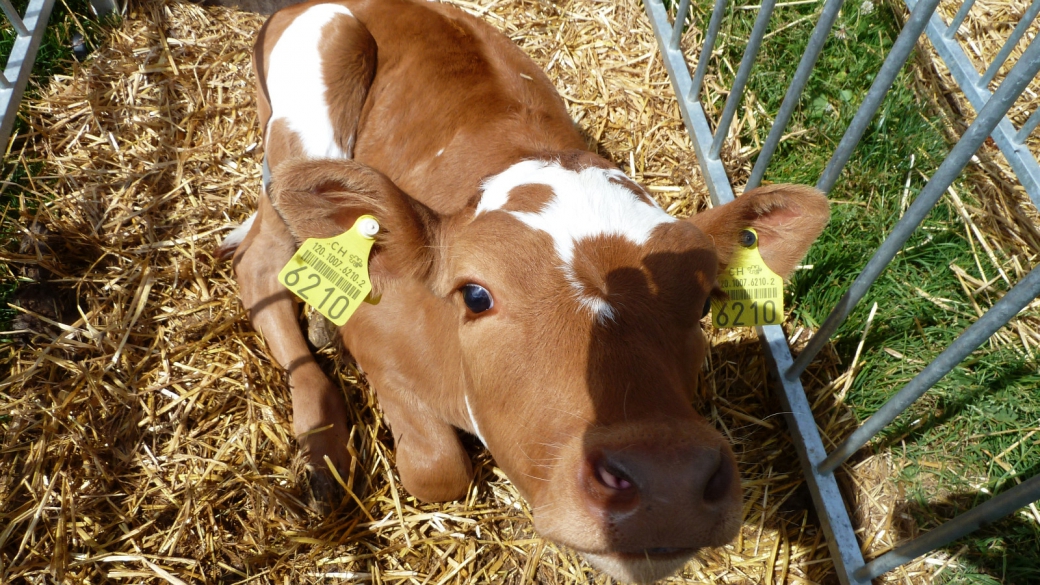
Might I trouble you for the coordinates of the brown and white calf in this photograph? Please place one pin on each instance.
(532, 294)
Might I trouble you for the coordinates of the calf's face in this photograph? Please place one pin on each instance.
(575, 307)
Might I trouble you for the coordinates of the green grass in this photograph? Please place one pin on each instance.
(972, 413)
(53, 57)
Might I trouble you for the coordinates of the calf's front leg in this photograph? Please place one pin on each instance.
(319, 409)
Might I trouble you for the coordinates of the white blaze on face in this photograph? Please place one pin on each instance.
(296, 85)
(585, 204)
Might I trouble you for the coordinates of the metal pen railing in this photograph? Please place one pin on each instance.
(23, 54)
(1011, 142)
(991, 121)
(29, 31)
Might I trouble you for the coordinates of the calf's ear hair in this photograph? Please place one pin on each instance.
(787, 218)
(323, 198)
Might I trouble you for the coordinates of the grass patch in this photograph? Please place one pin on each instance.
(948, 441)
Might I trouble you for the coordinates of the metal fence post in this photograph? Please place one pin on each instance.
(895, 60)
(1011, 144)
(736, 93)
(1003, 310)
(19, 63)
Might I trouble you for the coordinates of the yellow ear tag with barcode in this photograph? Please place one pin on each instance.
(756, 293)
(331, 274)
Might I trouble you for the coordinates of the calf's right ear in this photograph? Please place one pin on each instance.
(323, 198)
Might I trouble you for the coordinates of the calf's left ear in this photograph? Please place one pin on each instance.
(323, 198)
(787, 218)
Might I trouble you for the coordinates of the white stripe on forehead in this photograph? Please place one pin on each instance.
(296, 85)
(585, 204)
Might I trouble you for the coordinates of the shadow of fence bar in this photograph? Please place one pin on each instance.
(991, 121)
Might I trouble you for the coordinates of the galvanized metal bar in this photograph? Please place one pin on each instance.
(714, 25)
(1017, 497)
(14, 17)
(714, 173)
(105, 7)
(736, 93)
(4, 83)
(20, 62)
(1016, 35)
(1002, 311)
(680, 21)
(958, 18)
(992, 113)
(1029, 126)
(964, 73)
(894, 61)
(831, 10)
(827, 498)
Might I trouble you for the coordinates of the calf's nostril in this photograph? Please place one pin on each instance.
(719, 483)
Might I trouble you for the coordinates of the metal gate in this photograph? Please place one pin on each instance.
(29, 32)
(23, 54)
(991, 121)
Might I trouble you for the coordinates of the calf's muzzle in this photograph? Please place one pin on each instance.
(645, 497)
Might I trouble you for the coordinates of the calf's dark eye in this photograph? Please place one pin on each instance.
(477, 298)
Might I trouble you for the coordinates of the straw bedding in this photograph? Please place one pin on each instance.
(145, 432)
(1005, 223)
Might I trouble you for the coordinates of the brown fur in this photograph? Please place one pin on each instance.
(325, 199)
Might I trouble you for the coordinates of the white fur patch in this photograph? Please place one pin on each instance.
(296, 85)
(585, 204)
(597, 306)
(473, 421)
(238, 234)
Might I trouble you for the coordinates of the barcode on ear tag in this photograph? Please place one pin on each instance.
(756, 293)
(331, 274)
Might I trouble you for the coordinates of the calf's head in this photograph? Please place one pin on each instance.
(574, 305)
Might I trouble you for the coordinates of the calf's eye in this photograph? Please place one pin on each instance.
(477, 298)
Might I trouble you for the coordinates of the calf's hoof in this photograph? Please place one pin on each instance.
(326, 457)
(320, 331)
(325, 493)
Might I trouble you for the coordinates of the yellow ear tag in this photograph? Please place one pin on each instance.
(756, 293)
(331, 274)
